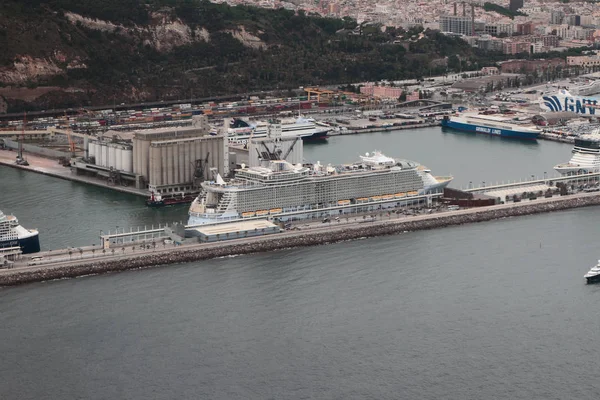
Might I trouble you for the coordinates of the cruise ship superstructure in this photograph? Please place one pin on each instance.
(586, 156)
(280, 188)
(14, 235)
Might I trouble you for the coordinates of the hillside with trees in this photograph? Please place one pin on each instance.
(90, 52)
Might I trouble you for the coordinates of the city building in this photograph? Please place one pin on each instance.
(490, 71)
(384, 92)
(520, 66)
(583, 61)
(456, 24)
(516, 47)
(550, 40)
(556, 17)
(497, 29)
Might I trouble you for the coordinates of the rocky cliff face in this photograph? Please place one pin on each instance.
(49, 53)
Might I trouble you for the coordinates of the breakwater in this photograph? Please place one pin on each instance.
(290, 239)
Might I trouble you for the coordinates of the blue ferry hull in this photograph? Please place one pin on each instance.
(513, 134)
(28, 245)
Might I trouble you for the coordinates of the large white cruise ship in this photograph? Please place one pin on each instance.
(14, 235)
(240, 130)
(586, 156)
(283, 189)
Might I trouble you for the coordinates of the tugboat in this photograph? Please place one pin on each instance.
(158, 200)
(593, 274)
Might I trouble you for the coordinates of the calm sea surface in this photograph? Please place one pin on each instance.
(495, 310)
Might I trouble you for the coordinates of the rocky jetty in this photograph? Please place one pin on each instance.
(298, 239)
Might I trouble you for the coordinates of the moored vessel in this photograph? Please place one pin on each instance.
(305, 128)
(312, 190)
(14, 235)
(586, 156)
(593, 275)
(490, 125)
(162, 200)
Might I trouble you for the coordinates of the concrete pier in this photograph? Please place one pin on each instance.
(134, 258)
(50, 167)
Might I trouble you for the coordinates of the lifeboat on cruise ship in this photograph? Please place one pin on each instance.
(343, 202)
(276, 210)
(387, 196)
(413, 193)
(248, 214)
(262, 212)
(399, 195)
(376, 198)
(362, 200)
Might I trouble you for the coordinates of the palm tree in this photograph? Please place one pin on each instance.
(70, 253)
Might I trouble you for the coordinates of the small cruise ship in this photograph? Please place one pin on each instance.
(586, 156)
(593, 274)
(14, 235)
(490, 125)
(240, 130)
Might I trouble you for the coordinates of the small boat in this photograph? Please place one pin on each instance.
(158, 200)
(593, 274)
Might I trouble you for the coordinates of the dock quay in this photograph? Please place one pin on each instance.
(81, 263)
(356, 130)
(50, 167)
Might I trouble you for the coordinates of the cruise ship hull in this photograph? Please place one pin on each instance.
(570, 169)
(29, 244)
(492, 131)
(592, 278)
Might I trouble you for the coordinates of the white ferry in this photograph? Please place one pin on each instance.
(312, 189)
(240, 130)
(565, 101)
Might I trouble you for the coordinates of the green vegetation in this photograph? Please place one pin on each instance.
(129, 63)
(501, 10)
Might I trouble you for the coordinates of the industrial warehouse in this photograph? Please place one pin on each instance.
(164, 161)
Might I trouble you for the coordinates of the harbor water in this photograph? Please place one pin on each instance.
(495, 310)
(73, 214)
